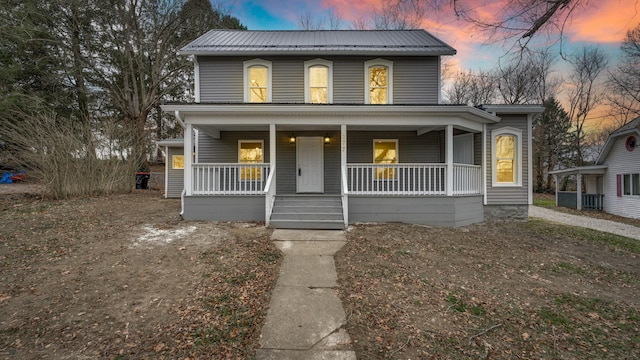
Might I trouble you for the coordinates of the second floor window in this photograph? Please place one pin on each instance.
(379, 76)
(257, 74)
(318, 80)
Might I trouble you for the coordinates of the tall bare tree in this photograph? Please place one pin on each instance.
(587, 67)
(624, 80)
(472, 88)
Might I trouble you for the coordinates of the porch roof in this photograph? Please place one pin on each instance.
(583, 170)
(423, 118)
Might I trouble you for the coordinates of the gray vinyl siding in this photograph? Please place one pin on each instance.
(221, 79)
(434, 211)
(411, 148)
(225, 149)
(509, 195)
(175, 177)
(287, 80)
(477, 149)
(415, 79)
(224, 208)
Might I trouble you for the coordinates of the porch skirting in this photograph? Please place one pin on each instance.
(224, 208)
(447, 211)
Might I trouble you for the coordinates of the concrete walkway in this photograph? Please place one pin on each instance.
(612, 227)
(306, 318)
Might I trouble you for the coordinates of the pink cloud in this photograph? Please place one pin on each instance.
(605, 21)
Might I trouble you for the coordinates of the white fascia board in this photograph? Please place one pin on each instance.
(216, 110)
(593, 169)
(514, 109)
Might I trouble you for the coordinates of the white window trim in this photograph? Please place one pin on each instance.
(321, 62)
(518, 156)
(367, 84)
(247, 89)
(630, 194)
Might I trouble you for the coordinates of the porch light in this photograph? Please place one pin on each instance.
(292, 139)
(327, 139)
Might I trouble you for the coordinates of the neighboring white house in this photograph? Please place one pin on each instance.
(613, 183)
(318, 129)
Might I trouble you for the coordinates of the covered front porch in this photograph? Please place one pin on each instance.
(425, 168)
(589, 183)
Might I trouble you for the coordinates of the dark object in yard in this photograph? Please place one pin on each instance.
(12, 176)
(142, 179)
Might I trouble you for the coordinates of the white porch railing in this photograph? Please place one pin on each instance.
(412, 179)
(229, 179)
(467, 179)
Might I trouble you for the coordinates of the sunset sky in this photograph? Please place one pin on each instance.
(602, 22)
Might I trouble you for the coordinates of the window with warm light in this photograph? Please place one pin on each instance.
(250, 152)
(506, 145)
(379, 75)
(257, 74)
(318, 79)
(385, 152)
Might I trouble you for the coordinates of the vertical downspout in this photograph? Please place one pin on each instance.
(530, 157)
(484, 164)
(166, 172)
(449, 155)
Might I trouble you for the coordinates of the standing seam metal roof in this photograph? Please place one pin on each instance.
(352, 42)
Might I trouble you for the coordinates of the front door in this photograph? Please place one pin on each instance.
(310, 162)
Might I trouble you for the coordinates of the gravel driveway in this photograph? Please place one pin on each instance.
(585, 221)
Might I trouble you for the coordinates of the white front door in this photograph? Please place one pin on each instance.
(310, 162)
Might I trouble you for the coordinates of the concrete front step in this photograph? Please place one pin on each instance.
(307, 224)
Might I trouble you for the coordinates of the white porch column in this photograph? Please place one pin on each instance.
(343, 146)
(555, 182)
(579, 191)
(449, 160)
(272, 151)
(188, 159)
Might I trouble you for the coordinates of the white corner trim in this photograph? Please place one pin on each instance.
(196, 79)
(484, 164)
(530, 156)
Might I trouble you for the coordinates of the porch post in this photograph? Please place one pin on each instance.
(449, 154)
(343, 147)
(188, 159)
(579, 191)
(343, 170)
(272, 151)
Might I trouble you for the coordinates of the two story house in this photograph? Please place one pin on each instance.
(318, 129)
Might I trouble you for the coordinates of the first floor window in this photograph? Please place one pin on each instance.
(631, 184)
(177, 161)
(506, 149)
(250, 152)
(385, 151)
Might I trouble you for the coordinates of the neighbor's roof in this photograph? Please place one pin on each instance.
(632, 127)
(318, 42)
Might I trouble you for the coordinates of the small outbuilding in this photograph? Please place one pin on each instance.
(613, 183)
(174, 167)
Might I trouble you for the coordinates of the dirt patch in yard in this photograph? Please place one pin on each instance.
(495, 290)
(123, 277)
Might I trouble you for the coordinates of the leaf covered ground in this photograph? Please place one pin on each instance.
(122, 277)
(509, 290)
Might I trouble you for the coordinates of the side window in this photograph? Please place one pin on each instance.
(506, 150)
(378, 81)
(385, 151)
(250, 152)
(631, 184)
(257, 81)
(318, 81)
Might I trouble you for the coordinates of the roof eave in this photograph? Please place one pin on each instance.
(612, 139)
(318, 52)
